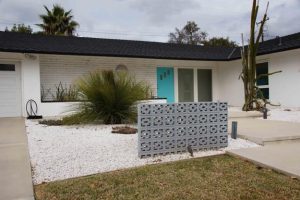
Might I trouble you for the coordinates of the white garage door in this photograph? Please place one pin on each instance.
(10, 90)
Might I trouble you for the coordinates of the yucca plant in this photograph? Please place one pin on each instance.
(110, 97)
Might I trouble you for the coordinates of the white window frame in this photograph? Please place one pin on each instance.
(195, 69)
(263, 86)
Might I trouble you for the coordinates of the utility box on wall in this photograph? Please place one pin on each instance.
(170, 128)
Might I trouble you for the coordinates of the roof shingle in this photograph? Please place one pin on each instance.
(34, 43)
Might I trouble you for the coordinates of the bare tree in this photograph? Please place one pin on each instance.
(254, 98)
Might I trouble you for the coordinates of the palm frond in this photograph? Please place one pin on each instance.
(57, 21)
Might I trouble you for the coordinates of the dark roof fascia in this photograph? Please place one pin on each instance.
(149, 57)
(107, 55)
(269, 52)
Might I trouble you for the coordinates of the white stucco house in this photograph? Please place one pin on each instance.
(33, 64)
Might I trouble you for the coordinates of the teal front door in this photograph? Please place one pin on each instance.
(165, 83)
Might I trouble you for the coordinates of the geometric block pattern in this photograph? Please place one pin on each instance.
(170, 128)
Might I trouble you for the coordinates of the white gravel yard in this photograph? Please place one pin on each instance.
(61, 152)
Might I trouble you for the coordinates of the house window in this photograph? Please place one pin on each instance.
(265, 92)
(263, 81)
(7, 67)
(186, 85)
(204, 77)
(194, 85)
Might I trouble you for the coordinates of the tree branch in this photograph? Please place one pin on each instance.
(264, 75)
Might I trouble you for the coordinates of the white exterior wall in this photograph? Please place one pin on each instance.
(67, 69)
(30, 84)
(56, 108)
(283, 87)
(30, 69)
(56, 68)
(30, 76)
(49, 70)
(230, 87)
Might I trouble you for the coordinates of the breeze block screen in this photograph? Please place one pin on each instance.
(170, 128)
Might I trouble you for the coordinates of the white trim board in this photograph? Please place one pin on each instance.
(176, 92)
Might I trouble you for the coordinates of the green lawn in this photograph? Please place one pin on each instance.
(217, 177)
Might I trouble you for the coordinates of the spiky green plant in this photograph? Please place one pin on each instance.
(65, 93)
(110, 96)
(59, 93)
(71, 93)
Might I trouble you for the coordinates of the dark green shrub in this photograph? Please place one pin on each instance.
(110, 97)
(67, 120)
(73, 119)
(51, 122)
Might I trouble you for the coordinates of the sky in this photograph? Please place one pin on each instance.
(153, 20)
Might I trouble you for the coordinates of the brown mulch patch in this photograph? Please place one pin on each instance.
(124, 130)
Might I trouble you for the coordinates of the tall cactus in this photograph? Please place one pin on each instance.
(254, 99)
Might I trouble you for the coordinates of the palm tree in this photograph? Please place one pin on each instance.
(58, 21)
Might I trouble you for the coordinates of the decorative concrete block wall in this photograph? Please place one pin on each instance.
(170, 128)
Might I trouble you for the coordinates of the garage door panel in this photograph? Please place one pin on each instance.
(9, 112)
(10, 92)
(8, 101)
(8, 81)
(6, 89)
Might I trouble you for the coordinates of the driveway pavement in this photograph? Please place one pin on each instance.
(280, 140)
(266, 131)
(15, 170)
(283, 157)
